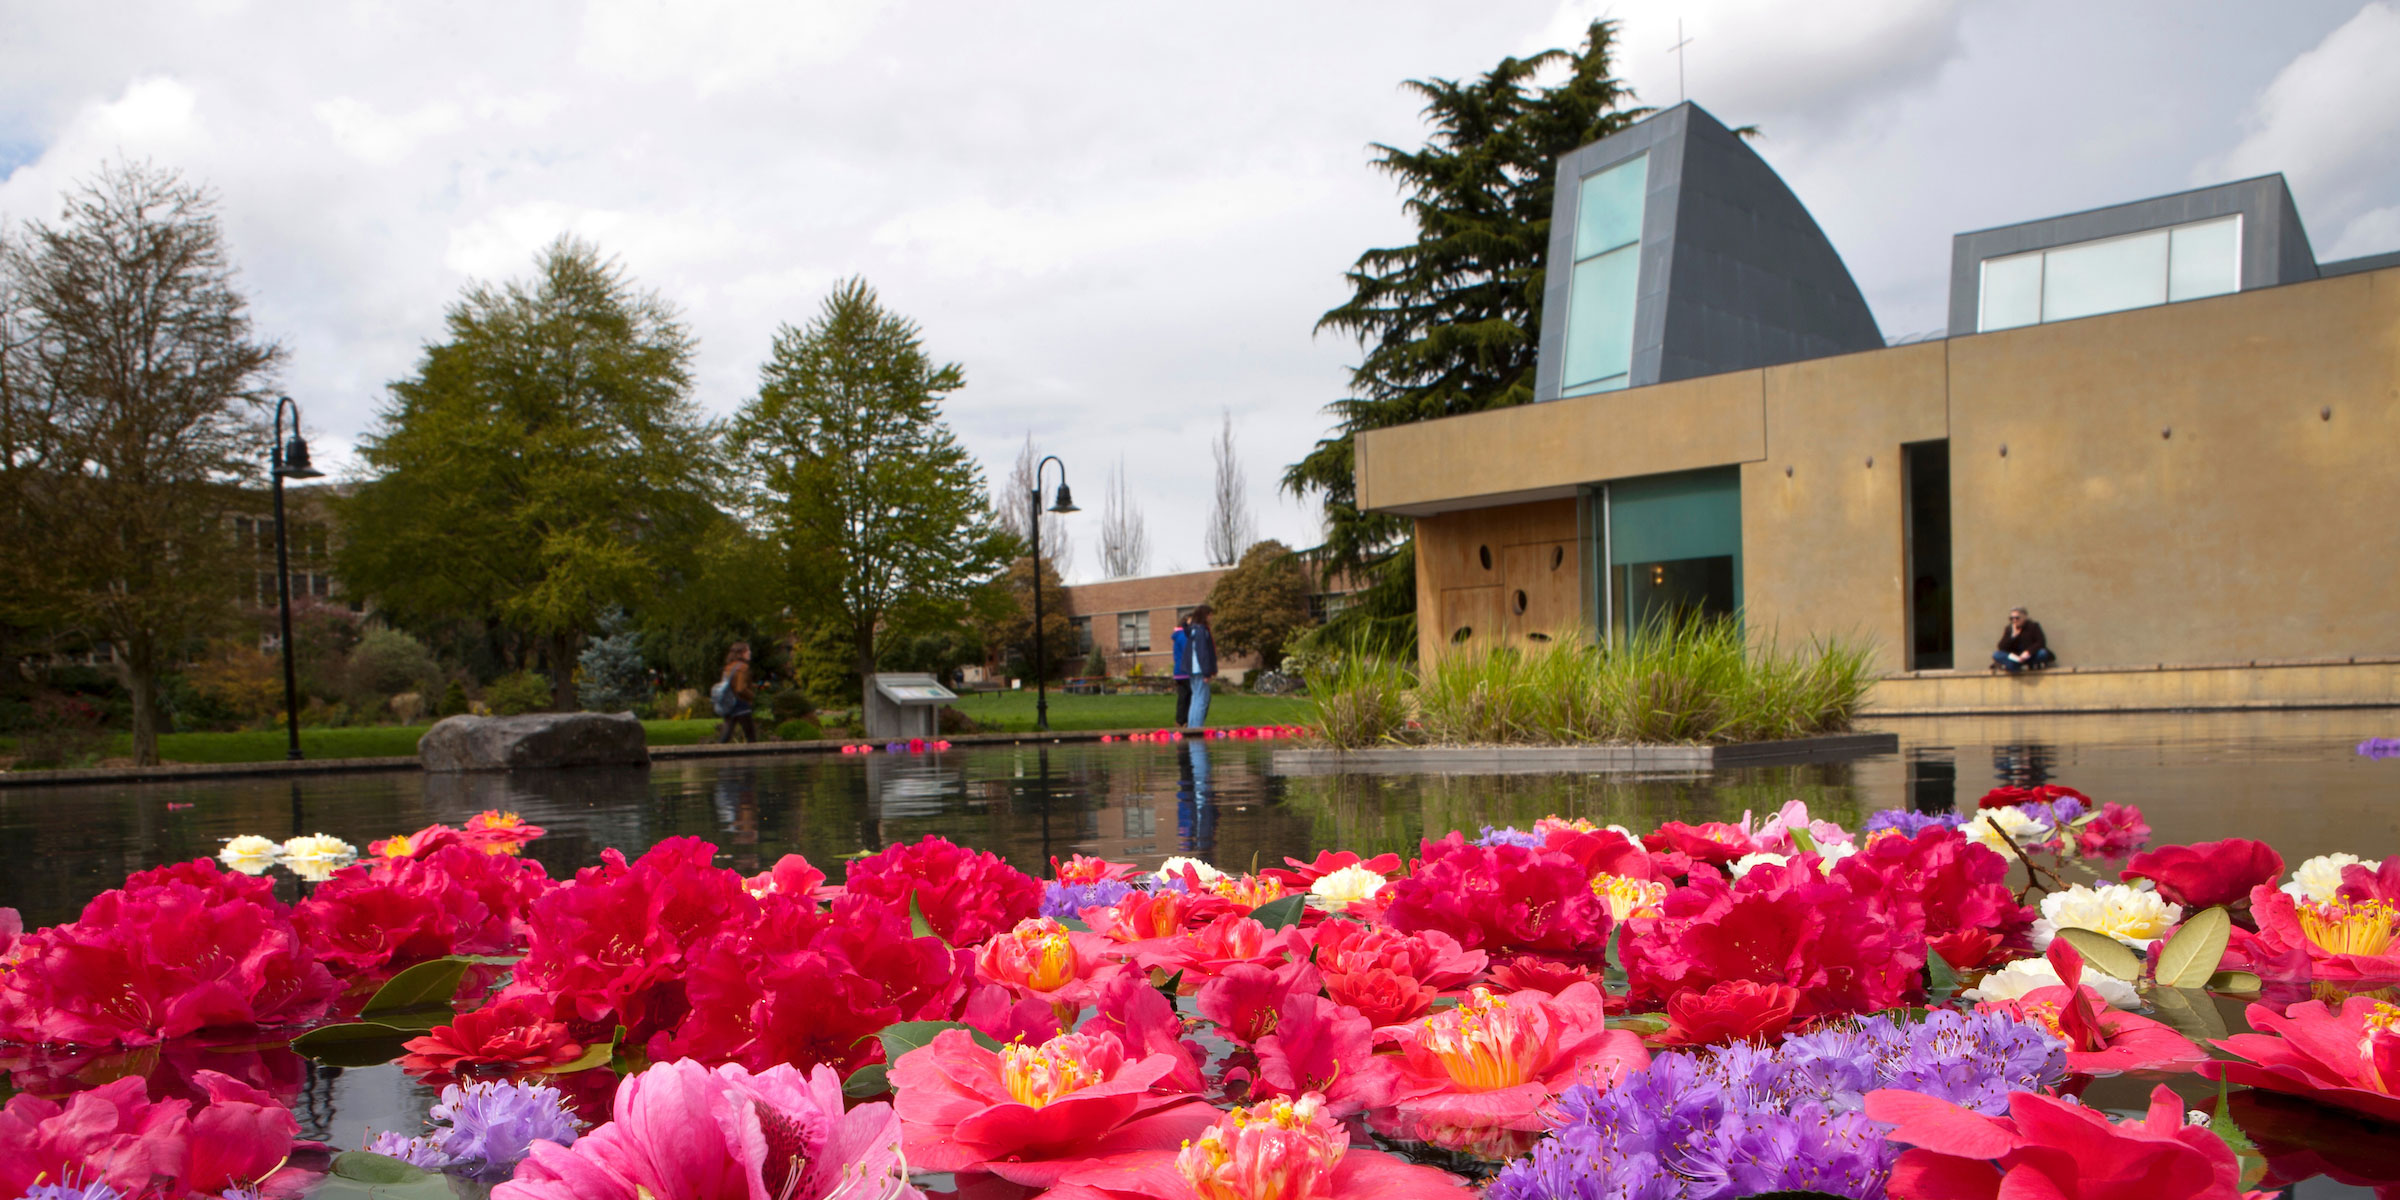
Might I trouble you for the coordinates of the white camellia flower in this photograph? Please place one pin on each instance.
(1338, 890)
(2027, 974)
(1173, 869)
(2130, 915)
(1741, 866)
(250, 854)
(317, 856)
(2320, 877)
(2020, 827)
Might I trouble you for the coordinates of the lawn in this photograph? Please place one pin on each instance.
(1013, 711)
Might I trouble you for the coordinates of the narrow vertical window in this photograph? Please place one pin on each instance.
(1606, 275)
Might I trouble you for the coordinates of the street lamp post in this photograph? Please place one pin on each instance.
(1033, 513)
(287, 461)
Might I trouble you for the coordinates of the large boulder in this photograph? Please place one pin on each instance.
(534, 741)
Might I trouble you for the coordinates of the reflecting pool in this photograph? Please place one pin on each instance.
(2291, 779)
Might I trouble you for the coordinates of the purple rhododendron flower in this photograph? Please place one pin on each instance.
(1509, 836)
(95, 1190)
(492, 1125)
(415, 1151)
(1911, 823)
(1065, 901)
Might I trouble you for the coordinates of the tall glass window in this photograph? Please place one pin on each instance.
(2155, 266)
(1674, 548)
(1608, 243)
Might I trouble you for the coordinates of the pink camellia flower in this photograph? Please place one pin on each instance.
(1083, 869)
(1227, 941)
(2343, 941)
(1607, 852)
(2349, 1059)
(1273, 1150)
(2116, 831)
(1029, 1114)
(1145, 917)
(2360, 885)
(2206, 874)
(1388, 976)
(510, 1032)
(685, 1131)
(1322, 1047)
(114, 1134)
(496, 832)
(416, 845)
(2052, 1148)
(1244, 998)
(2101, 1040)
(1043, 960)
(1532, 973)
(1774, 835)
(1736, 1011)
(1499, 1060)
(1327, 862)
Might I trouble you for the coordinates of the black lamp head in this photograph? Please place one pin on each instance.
(1066, 501)
(294, 463)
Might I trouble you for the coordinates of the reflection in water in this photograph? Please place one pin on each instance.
(1933, 779)
(1195, 802)
(2024, 764)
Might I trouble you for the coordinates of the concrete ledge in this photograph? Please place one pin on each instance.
(2363, 682)
(1548, 760)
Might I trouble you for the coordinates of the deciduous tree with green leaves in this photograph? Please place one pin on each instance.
(1261, 603)
(1450, 323)
(878, 511)
(131, 398)
(544, 465)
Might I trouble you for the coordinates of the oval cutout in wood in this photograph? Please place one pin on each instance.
(1461, 634)
(1520, 601)
(1558, 557)
(1484, 553)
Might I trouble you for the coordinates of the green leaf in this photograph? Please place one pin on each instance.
(2192, 955)
(359, 1175)
(918, 926)
(2234, 981)
(868, 1082)
(2188, 1012)
(1279, 914)
(2104, 953)
(1941, 982)
(419, 997)
(900, 1037)
(598, 1054)
(354, 1043)
(1640, 1023)
(1074, 925)
(1802, 843)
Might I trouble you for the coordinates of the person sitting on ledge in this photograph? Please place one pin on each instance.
(2022, 645)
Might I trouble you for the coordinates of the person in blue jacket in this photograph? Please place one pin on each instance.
(1204, 664)
(1183, 669)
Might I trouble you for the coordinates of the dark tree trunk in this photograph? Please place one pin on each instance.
(562, 673)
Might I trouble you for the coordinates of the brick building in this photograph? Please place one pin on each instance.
(1132, 621)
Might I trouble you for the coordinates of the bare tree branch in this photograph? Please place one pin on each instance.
(1124, 538)
(1229, 527)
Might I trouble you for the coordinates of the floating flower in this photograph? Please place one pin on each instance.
(2115, 831)
(681, 1131)
(1082, 869)
(1908, 823)
(1741, 866)
(489, 1127)
(401, 911)
(316, 856)
(1499, 898)
(510, 1032)
(1708, 842)
(1244, 998)
(1777, 833)
(1246, 892)
(2348, 1058)
(1998, 828)
(1498, 1060)
(1303, 874)
(1062, 901)
(1175, 868)
(1328, 1049)
(250, 854)
(417, 845)
(1030, 1113)
(2207, 874)
(496, 832)
(1339, 889)
(1274, 1150)
(2320, 878)
(1735, 1011)
(2027, 975)
(114, 1137)
(1043, 960)
(2052, 1148)
(2130, 915)
(2100, 1040)
(1952, 891)
(965, 895)
(1627, 897)
(1830, 937)
(2339, 940)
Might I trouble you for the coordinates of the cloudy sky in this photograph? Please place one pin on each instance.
(1123, 219)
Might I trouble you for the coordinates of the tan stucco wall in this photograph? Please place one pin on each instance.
(2172, 492)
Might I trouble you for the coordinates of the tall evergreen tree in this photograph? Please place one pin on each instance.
(545, 465)
(1450, 323)
(879, 512)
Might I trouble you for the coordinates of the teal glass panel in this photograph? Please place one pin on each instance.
(1600, 316)
(1608, 211)
(1690, 514)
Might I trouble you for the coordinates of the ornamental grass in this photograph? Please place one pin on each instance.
(1690, 682)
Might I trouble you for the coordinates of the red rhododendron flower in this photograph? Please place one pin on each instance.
(2052, 1148)
(2010, 797)
(217, 886)
(1327, 862)
(1531, 973)
(1967, 949)
(1936, 884)
(2100, 1040)
(510, 1032)
(1319, 1046)
(115, 1134)
(1712, 842)
(1274, 1150)
(792, 876)
(160, 962)
(2207, 874)
(2116, 831)
(1607, 852)
(1735, 1011)
(393, 913)
(1786, 924)
(2355, 943)
(1499, 898)
(965, 895)
(613, 947)
(1244, 998)
(1029, 1114)
(2349, 1059)
(1499, 1060)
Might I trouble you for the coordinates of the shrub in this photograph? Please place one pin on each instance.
(523, 692)
(1095, 664)
(67, 732)
(614, 676)
(955, 721)
(385, 663)
(798, 729)
(237, 678)
(788, 704)
(454, 700)
(1361, 700)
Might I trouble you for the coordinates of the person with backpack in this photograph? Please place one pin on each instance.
(732, 696)
(1204, 664)
(1183, 668)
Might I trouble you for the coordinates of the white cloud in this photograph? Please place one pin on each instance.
(378, 139)
(716, 45)
(2329, 122)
